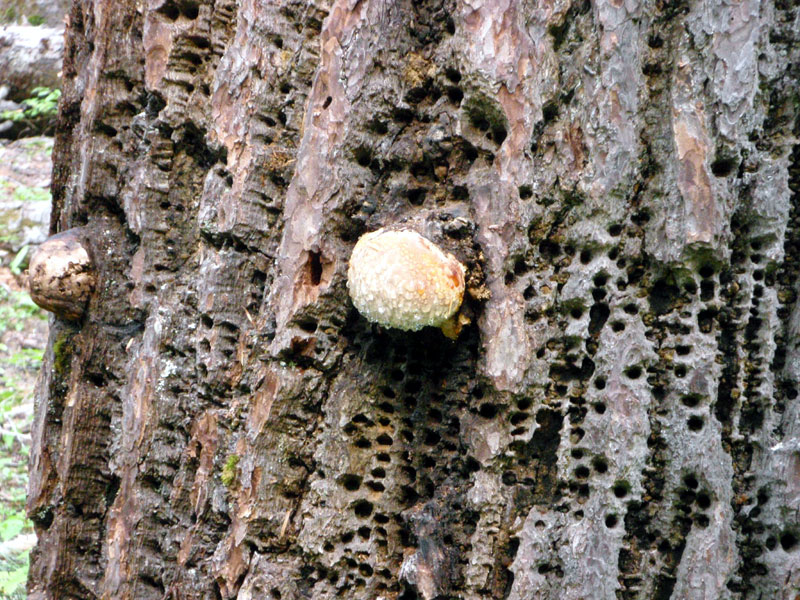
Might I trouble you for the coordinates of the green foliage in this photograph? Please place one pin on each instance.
(36, 20)
(17, 366)
(23, 193)
(18, 263)
(12, 581)
(15, 307)
(41, 106)
(11, 526)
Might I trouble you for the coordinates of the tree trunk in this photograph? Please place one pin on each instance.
(620, 420)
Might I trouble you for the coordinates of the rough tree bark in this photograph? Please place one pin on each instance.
(619, 421)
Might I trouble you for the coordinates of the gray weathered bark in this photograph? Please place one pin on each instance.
(621, 418)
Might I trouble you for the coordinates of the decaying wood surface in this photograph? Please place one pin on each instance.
(619, 421)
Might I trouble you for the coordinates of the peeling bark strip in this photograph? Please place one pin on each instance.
(620, 420)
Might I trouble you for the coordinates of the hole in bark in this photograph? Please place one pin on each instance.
(695, 423)
(706, 271)
(413, 386)
(600, 383)
(788, 541)
(582, 472)
(190, 10)
(525, 192)
(600, 464)
(618, 326)
(408, 594)
(599, 408)
(327, 102)
(350, 482)
(469, 151)
(378, 126)
(403, 115)
(598, 315)
(631, 308)
(454, 94)
(691, 400)
(633, 372)
(408, 495)
(663, 296)
(518, 418)
(416, 95)
(376, 486)
(703, 500)
(169, 10)
(432, 438)
(309, 325)
(621, 489)
(549, 249)
(641, 217)
(452, 74)
(686, 498)
(680, 371)
(488, 411)
(549, 112)
(723, 166)
(705, 319)
(706, 290)
(384, 440)
(363, 156)
(615, 230)
(611, 521)
(702, 521)
(362, 509)
(416, 196)
(314, 267)
(586, 257)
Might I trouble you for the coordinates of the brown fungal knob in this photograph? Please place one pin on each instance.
(61, 275)
(397, 278)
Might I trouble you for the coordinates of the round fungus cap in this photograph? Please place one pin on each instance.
(61, 275)
(397, 278)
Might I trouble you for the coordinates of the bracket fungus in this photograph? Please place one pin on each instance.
(61, 275)
(399, 279)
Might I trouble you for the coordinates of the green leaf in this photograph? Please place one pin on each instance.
(18, 260)
(13, 581)
(11, 526)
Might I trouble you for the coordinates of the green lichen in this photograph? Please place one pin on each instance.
(230, 471)
(62, 354)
